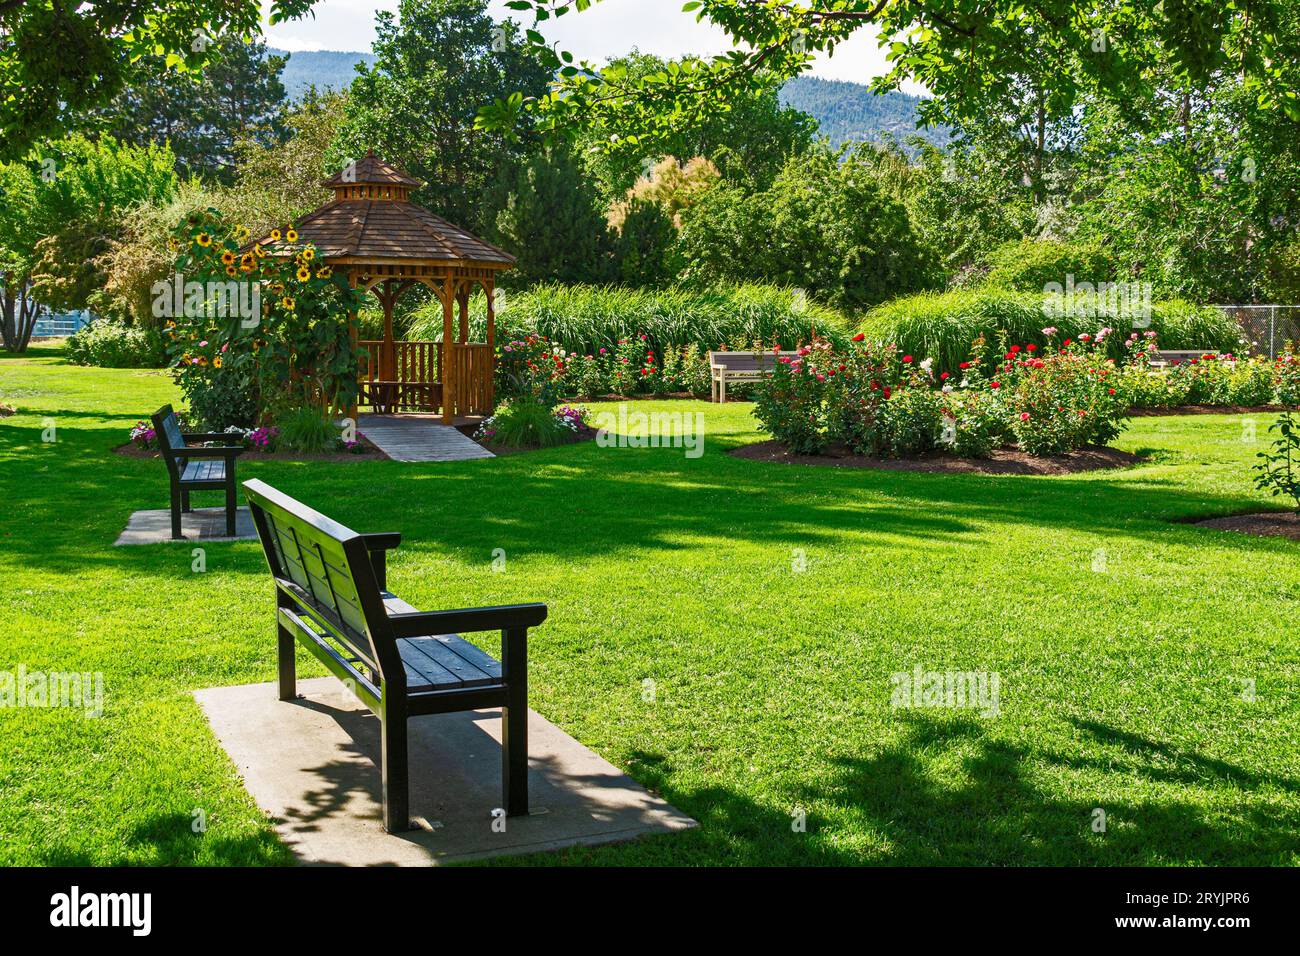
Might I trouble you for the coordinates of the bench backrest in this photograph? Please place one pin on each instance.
(167, 429)
(324, 569)
(748, 361)
(1181, 355)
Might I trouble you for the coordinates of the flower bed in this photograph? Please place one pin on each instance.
(877, 402)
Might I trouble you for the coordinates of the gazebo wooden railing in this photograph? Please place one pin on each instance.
(415, 383)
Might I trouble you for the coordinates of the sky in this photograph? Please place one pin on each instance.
(608, 28)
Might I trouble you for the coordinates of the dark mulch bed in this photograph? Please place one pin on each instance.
(1285, 524)
(371, 453)
(1005, 461)
(1206, 410)
(505, 451)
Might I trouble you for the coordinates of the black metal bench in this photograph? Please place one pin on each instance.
(196, 469)
(332, 597)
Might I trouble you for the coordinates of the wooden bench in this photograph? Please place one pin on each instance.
(1163, 358)
(331, 595)
(727, 367)
(195, 469)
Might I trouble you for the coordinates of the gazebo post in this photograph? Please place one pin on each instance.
(352, 338)
(388, 370)
(491, 340)
(462, 303)
(448, 369)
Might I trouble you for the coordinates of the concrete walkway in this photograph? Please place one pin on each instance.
(418, 438)
(201, 524)
(312, 765)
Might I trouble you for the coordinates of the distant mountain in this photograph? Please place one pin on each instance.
(851, 113)
(330, 69)
(846, 112)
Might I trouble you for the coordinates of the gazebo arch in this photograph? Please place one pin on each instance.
(386, 244)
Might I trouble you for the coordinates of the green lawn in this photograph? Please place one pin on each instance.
(1120, 689)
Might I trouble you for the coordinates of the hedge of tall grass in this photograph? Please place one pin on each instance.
(585, 318)
(942, 325)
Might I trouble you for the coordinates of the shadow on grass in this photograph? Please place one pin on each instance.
(948, 793)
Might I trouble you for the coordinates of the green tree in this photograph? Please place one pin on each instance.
(826, 226)
(59, 59)
(203, 115)
(961, 51)
(644, 249)
(550, 221)
(750, 141)
(59, 214)
(436, 63)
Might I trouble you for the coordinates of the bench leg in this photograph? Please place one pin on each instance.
(176, 515)
(397, 813)
(232, 505)
(514, 729)
(287, 669)
(722, 391)
(185, 502)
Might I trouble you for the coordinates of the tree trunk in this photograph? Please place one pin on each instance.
(17, 313)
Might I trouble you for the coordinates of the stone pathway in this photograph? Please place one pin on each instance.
(201, 524)
(408, 438)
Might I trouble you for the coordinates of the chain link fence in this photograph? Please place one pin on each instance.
(1269, 327)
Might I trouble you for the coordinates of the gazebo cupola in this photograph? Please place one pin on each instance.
(384, 243)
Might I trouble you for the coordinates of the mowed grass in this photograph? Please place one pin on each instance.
(1123, 641)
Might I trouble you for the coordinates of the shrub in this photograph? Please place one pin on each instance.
(1215, 379)
(791, 403)
(1287, 378)
(1279, 472)
(586, 318)
(1061, 401)
(223, 397)
(1030, 265)
(942, 326)
(527, 423)
(306, 428)
(116, 345)
(878, 401)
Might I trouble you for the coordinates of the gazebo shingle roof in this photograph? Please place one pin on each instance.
(371, 218)
(386, 229)
(371, 169)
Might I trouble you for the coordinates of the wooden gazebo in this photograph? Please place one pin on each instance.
(384, 243)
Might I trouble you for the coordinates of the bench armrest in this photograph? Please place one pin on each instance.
(378, 546)
(424, 623)
(226, 451)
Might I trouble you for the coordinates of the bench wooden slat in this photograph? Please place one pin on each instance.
(443, 654)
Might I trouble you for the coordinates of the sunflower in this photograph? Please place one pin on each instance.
(258, 250)
(203, 239)
(172, 244)
(216, 362)
(309, 254)
(287, 302)
(231, 271)
(228, 258)
(304, 274)
(241, 233)
(323, 272)
(275, 235)
(291, 234)
(247, 262)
